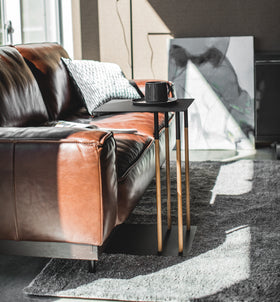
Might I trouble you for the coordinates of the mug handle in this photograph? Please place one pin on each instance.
(170, 89)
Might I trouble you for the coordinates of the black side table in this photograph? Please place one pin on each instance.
(181, 105)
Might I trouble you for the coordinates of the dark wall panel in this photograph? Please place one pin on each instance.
(205, 18)
(90, 29)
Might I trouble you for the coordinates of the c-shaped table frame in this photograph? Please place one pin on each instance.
(180, 105)
(179, 178)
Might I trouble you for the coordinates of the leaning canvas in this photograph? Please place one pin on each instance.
(219, 74)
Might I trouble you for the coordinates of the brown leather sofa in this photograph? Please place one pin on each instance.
(63, 190)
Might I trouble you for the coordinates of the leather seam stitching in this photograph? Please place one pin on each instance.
(50, 141)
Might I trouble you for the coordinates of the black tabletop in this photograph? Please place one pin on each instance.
(126, 105)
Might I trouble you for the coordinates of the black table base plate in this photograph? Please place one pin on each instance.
(140, 239)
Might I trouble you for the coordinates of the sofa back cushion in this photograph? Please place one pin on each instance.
(58, 92)
(21, 102)
(99, 82)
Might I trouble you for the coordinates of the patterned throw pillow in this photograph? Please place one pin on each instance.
(99, 82)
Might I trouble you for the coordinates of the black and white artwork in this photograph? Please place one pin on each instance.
(219, 74)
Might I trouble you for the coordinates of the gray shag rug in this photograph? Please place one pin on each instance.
(235, 255)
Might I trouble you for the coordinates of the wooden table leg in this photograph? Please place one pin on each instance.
(187, 174)
(158, 186)
(179, 185)
(168, 185)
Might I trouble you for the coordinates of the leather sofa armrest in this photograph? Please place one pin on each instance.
(59, 184)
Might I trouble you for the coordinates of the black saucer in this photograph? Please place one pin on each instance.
(142, 102)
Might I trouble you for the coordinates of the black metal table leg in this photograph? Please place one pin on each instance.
(179, 185)
(167, 160)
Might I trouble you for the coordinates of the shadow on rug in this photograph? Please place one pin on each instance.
(235, 253)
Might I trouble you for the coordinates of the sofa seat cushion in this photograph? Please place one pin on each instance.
(133, 182)
(134, 156)
(143, 122)
(129, 149)
(57, 90)
(21, 102)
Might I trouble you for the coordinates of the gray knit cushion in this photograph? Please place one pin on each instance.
(99, 82)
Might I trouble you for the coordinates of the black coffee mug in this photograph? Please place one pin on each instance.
(157, 91)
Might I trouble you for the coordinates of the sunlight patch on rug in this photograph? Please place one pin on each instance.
(231, 182)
